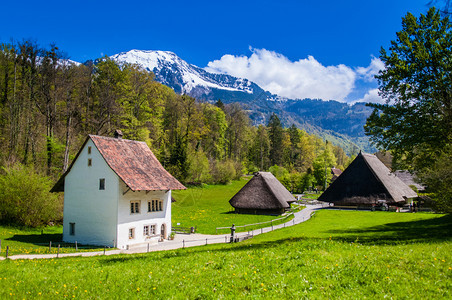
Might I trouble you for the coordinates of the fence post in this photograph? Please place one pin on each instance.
(206, 241)
(148, 247)
(183, 244)
(262, 228)
(293, 221)
(50, 246)
(58, 252)
(76, 246)
(225, 239)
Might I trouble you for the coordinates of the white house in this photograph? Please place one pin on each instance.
(116, 193)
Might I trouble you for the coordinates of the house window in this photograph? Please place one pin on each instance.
(89, 149)
(155, 205)
(131, 233)
(134, 207)
(90, 162)
(149, 230)
(102, 184)
(71, 228)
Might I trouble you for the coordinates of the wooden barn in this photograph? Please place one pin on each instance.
(364, 182)
(263, 194)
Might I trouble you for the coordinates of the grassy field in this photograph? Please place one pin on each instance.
(36, 241)
(205, 208)
(336, 254)
(208, 207)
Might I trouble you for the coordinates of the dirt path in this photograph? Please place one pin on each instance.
(180, 240)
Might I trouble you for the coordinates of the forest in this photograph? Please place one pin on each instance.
(50, 104)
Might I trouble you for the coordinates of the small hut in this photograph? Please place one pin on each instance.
(263, 194)
(336, 173)
(364, 182)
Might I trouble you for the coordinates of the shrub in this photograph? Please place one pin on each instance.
(223, 171)
(25, 198)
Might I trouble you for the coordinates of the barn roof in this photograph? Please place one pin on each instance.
(262, 192)
(133, 162)
(409, 179)
(336, 172)
(365, 180)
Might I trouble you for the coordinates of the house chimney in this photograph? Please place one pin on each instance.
(118, 134)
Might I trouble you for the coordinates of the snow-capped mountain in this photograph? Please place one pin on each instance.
(183, 77)
(333, 120)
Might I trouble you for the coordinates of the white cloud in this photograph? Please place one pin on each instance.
(371, 96)
(305, 78)
(368, 73)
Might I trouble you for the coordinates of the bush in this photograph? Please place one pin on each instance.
(25, 198)
(223, 171)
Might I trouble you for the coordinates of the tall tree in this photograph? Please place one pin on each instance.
(416, 121)
(275, 133)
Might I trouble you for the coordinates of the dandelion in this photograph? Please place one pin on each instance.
(154, 288)
(265, 290)
(443, 260)
(262, 284)
(435, 258)
(138, 289)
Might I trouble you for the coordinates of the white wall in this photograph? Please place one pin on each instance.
(93, 211)
(127, 220)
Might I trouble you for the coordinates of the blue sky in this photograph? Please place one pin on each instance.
(337, 40)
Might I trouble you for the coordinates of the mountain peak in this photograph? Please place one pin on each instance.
(183, 77)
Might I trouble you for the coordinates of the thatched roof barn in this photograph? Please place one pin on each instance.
(365, 181)
(263, 194)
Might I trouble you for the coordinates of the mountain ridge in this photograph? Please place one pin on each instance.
(338, 122)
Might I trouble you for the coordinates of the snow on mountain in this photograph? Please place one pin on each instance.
(183, 77)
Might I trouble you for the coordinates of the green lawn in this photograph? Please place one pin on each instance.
(36, 241)
(335, 255)
(208, 207)
(205, 208)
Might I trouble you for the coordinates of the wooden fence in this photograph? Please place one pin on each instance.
(256, 224)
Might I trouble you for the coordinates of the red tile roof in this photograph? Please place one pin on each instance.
(134, 163)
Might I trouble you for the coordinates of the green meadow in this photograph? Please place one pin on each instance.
(336, 254)
(208, 207)
(204, 207)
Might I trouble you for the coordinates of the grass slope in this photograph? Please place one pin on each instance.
(36, 241)
(336, 254)
(208, 207)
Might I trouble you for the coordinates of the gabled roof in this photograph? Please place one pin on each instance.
(133, 162)
(367, 179)
(262, 192)
(336, 172)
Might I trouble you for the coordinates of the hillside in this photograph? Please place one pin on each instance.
(338, 122)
